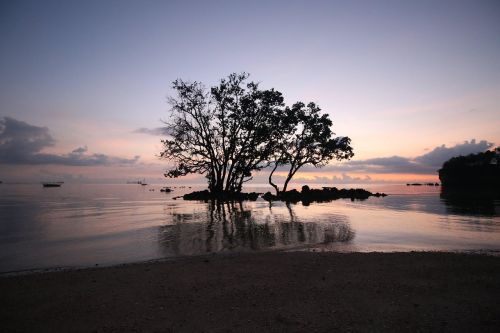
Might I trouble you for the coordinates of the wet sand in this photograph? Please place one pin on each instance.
(282, 292)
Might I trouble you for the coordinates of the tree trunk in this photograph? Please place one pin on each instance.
(271, 180)
(288, 178)
(286, 182)
(219, 184)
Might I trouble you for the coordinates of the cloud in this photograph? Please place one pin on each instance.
(315, 179)
(427, 163)
(157, 131)
(79, 151)
(22, 143)
(440, 154)
(18, 139)
(343, 179)
(393, 164)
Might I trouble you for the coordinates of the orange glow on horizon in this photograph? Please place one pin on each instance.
(362, 178)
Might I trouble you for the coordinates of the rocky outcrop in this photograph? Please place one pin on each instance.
(308, 195)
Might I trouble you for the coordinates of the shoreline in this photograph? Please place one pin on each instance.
(310, 249)
(268, 291)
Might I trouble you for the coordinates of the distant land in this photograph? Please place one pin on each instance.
(475, 170)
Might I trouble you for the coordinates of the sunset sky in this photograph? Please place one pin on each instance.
(83, 84)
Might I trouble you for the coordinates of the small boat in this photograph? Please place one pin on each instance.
(138, 182)
(52, 184)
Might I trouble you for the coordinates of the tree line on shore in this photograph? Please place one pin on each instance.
(481, 170)
(234, 129)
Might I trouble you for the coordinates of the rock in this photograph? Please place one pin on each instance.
(309, 195)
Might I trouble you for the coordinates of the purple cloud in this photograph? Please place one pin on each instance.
(22, 143)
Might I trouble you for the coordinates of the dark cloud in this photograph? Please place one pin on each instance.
(424, 164)
(158, 131)
(427, 163)
(79, 150)
(22, 143)
(440, 154)
(393, 164)
(19, 139)
(380, 165)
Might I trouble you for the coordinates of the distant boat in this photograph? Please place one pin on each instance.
(52, 184)
(139, 182)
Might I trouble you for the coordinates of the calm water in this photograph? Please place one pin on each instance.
(84, 225)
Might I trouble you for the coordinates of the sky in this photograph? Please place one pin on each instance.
(84, 84)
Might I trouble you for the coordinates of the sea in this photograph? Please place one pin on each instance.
(88, 225)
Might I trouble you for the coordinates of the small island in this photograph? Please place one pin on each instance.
(236, 129)
(306, 195)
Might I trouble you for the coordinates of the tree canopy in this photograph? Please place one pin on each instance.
(474, 170)
(235, 129)
(308, 139)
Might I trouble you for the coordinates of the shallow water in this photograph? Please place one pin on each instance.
(85, 225)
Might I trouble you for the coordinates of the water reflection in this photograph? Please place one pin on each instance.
(231, 227)
(471, 202)
(84, 225)
(450, 202)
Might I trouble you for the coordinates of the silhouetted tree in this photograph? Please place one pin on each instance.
(225, 134)
(235, 129)
(307, 138)
(474, 170)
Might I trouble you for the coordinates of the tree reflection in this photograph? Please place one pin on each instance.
(471, 202)
(234, 227)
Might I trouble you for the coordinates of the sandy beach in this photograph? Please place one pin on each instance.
(274, 291)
